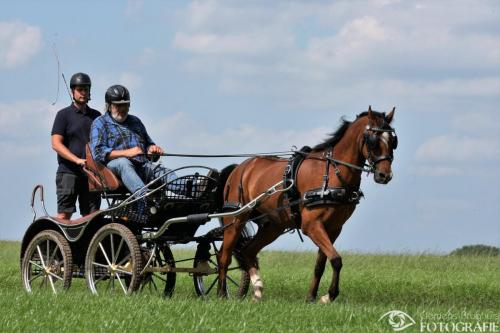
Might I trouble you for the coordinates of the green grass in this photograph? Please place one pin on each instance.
(371, 285)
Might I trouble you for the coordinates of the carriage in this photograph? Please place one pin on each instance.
(127, 246)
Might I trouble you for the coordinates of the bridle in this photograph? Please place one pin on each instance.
(370, 139)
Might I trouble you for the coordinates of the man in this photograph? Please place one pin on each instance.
(70, 134)
(120, 141)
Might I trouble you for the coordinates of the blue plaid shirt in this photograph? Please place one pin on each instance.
(106, 134)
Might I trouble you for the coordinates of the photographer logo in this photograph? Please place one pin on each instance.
(398, 320)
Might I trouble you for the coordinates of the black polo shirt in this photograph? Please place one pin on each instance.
(74, 126)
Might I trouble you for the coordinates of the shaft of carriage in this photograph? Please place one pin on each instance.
(198, 219)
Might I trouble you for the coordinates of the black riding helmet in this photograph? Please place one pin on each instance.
(80, 79)
(117, 94)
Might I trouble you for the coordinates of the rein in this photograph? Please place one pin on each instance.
(368, 168)
(276, 153)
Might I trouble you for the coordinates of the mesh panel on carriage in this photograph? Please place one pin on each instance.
(184, 195)
(190, 187)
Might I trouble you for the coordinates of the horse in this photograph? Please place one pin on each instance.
(326, 181)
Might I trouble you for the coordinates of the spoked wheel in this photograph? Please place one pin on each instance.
(47, 263)
(205, 283)
(114, 262)
(154, 280)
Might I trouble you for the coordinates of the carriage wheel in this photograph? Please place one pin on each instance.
(205, 284)
(152, 282)
(47, 263)
(114, 262)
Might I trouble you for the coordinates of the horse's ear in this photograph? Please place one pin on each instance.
(370, 113)
(390, 115)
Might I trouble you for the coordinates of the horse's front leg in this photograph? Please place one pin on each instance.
(319, 268)
(333, 291)
(336, 263)
(316, 231)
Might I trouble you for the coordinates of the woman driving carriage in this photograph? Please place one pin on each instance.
(120, 141)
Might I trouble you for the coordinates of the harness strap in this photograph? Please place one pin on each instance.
(367, 168)
(326, 176)
(332, 195)
(291, 205)
(290, 178)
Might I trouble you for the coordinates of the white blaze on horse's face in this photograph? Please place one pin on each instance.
(385, 137)
(381, 155)
(383, 172)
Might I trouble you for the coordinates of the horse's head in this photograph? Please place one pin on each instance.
(379, 140)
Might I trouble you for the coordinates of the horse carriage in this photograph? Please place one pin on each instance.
(126, 247)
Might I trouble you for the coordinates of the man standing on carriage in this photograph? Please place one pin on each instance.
(70, 134)
(120, 141)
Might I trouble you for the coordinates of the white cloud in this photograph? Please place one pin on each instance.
(435, 171)
(12, 151)
(228, 44)
(382, 3)
(234, 29)
(484, 123)
(353, 44)
(184, 134)
(25, 129)
(450, 148)
(23, 119)
(130, 80)
(222, 17)
(199, 13)
(18, 43)
(133, 7)
(323, 54)
(147, 57)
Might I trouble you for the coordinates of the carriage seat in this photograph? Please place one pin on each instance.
(101, 179)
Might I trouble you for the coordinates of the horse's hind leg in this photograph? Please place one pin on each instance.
(231, 235)
(267, 233)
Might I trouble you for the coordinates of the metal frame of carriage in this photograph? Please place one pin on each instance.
(118, 250)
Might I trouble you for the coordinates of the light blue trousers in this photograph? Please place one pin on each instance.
(133, 175)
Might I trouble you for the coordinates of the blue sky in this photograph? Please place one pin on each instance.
(245, 76)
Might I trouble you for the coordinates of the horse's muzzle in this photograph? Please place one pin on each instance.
(382, 177)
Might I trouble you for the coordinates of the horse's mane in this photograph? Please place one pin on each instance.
(335, 137)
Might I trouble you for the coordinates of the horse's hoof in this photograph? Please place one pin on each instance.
(256, 299)
(325, 299)
(310, 299)
(257, 296)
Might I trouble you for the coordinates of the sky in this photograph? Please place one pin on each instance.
(219, 77)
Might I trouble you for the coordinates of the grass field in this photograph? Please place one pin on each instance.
(423, 286)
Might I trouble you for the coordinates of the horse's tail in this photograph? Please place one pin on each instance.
(224, 175)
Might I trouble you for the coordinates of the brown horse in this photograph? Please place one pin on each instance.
(327, 185)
